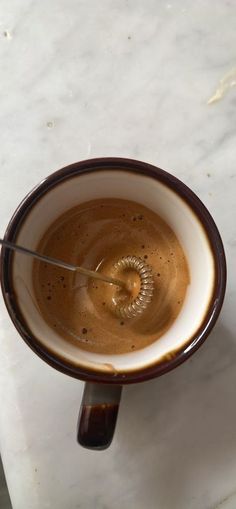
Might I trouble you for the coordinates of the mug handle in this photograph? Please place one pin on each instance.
(98, 414)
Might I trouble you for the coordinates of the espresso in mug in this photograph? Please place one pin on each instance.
(95, 235)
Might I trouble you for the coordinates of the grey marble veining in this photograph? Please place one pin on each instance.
(125, 78)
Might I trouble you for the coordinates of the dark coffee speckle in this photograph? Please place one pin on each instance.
(84, 330)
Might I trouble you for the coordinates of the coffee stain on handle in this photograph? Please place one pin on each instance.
(225, 84)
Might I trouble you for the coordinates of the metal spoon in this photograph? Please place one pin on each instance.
(89, 273)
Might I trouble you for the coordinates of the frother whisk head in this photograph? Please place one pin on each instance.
(138, 304)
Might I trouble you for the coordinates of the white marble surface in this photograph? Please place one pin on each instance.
(127, 78)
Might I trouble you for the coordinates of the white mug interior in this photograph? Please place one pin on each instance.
(173, 209)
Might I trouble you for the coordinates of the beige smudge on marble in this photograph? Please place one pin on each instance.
(50, 124)
(7, 34)
(227, 82)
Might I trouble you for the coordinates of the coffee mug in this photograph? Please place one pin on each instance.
(106, 374)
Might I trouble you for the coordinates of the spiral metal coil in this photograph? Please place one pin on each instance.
(140, 303)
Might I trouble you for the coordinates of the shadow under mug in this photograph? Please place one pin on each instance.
(105, 374)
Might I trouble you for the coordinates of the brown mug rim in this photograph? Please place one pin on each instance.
(168, 362)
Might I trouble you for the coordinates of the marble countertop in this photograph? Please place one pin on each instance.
(128, 78)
